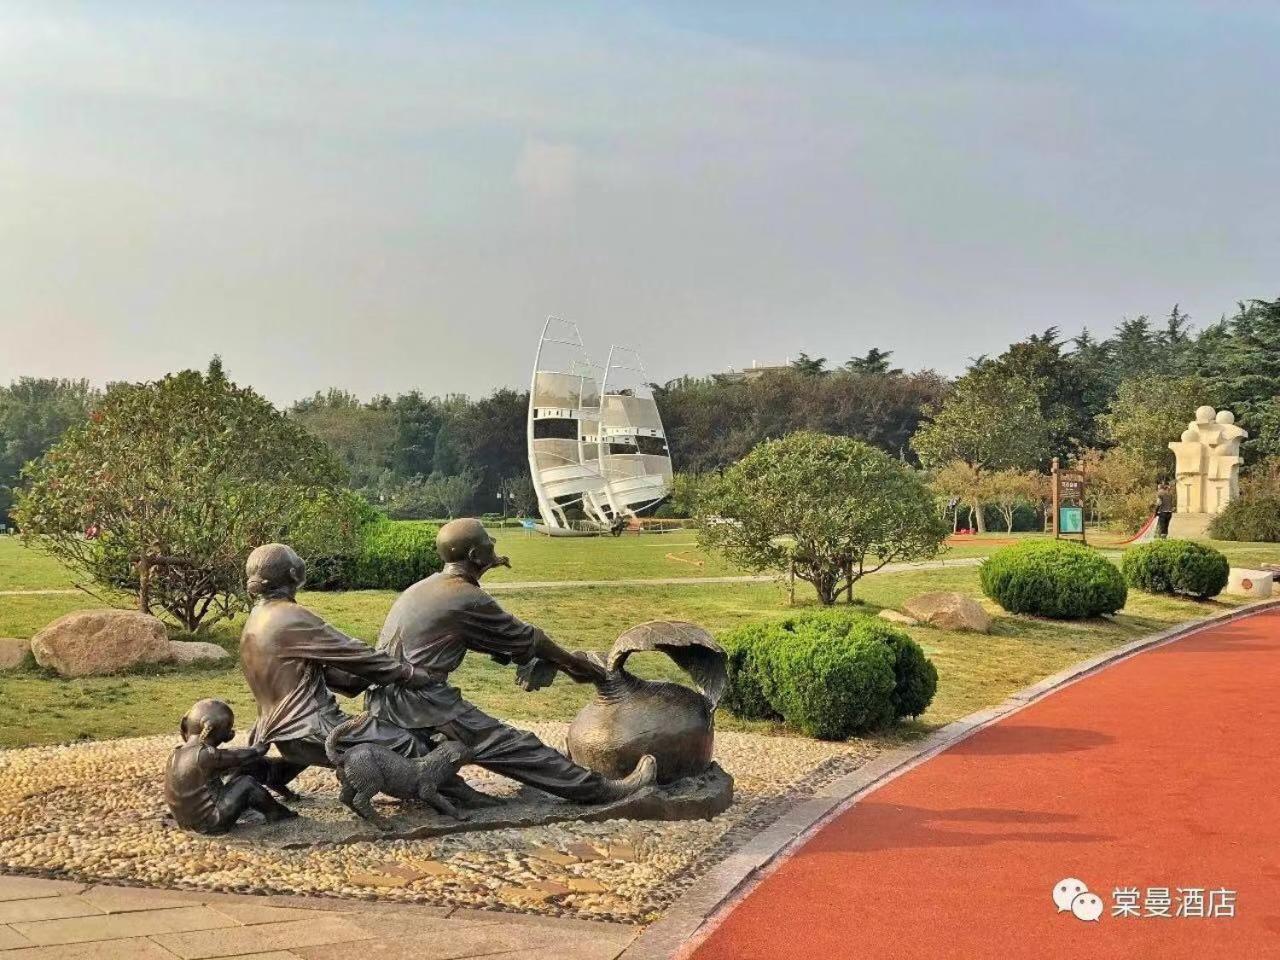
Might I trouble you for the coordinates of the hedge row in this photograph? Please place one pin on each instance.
(1053, 578)
(389, 555)
(830, 674)
(1179, 567)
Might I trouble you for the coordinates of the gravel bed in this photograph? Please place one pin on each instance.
(94, 811)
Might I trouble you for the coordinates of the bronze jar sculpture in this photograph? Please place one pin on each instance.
(631, 717)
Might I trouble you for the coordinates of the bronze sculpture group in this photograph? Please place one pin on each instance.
(417, 730)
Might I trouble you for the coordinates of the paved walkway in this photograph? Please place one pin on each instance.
(1154, 782)
(59, 920)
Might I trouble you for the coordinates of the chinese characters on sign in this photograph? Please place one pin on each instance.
(1067, 487)
(1170, 903)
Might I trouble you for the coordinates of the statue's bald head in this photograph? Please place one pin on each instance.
(274, 570)
(458, 538)
(465, 540)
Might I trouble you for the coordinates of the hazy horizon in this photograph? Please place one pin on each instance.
(390, 196)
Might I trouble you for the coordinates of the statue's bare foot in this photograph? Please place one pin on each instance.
(645, 774)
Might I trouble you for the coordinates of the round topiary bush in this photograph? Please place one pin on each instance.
(1178, 567)
(1051, 578)
(830, 686)
(829, 674)
(1254, 519)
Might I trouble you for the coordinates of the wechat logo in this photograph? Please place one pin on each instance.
(1073, 896)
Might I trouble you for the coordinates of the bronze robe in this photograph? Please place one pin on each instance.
(432, 625)
(285, 650)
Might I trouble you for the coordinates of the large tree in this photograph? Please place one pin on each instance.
(189, 474)
(491, 440)
(874, 360)
(1062, 388)
(831, 508)
(362, 436)
(1243, 372)
(34, 413)
(991, 420)
(1147, 413)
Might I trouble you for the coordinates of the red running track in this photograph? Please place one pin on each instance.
(1160, 771)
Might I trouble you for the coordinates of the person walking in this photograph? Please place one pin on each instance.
(1164, 510)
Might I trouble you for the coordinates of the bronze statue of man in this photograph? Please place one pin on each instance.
(291, 658)
(434, 623)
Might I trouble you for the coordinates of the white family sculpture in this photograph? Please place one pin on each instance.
(1207, 463)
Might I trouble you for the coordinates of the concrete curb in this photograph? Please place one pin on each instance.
(688, 921)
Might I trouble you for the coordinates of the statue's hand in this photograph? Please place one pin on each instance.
(587, 667)
(536, 674)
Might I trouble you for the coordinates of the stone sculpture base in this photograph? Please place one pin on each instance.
(324, 821)
(1190, 526)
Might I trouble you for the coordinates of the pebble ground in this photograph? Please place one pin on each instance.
(94, 812)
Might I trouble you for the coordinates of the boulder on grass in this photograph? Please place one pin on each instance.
(893, 616)
(196, 651)
(948, 611)
(94, 642)
(12, 652)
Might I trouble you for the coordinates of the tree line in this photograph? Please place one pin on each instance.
(1111, 402)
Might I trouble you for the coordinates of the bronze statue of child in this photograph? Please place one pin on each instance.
(200, 794)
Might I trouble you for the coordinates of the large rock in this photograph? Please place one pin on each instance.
(94, 642)
(12, 653)
(949, 611)
(196, 651)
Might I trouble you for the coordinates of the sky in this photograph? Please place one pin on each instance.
(392, 196)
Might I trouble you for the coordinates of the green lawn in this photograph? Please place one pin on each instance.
(533, 557)
(29, 568)
(658, 555)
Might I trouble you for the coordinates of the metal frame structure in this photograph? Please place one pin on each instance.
(602, 468)
(563, 475)
(634, 480)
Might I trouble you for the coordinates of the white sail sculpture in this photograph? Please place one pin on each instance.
(634, 457)
(597, 450)
(563, 424)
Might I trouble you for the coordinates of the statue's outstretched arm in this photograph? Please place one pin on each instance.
(508, 639)
(330, 647)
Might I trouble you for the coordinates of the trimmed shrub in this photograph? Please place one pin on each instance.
(328, 534)
(915, 676)
(1052, 578)
(829, 674)
(1177, 567)
(384, 555)
(830, 686)
(393, 555)
(746, 647)
(1254, 518)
